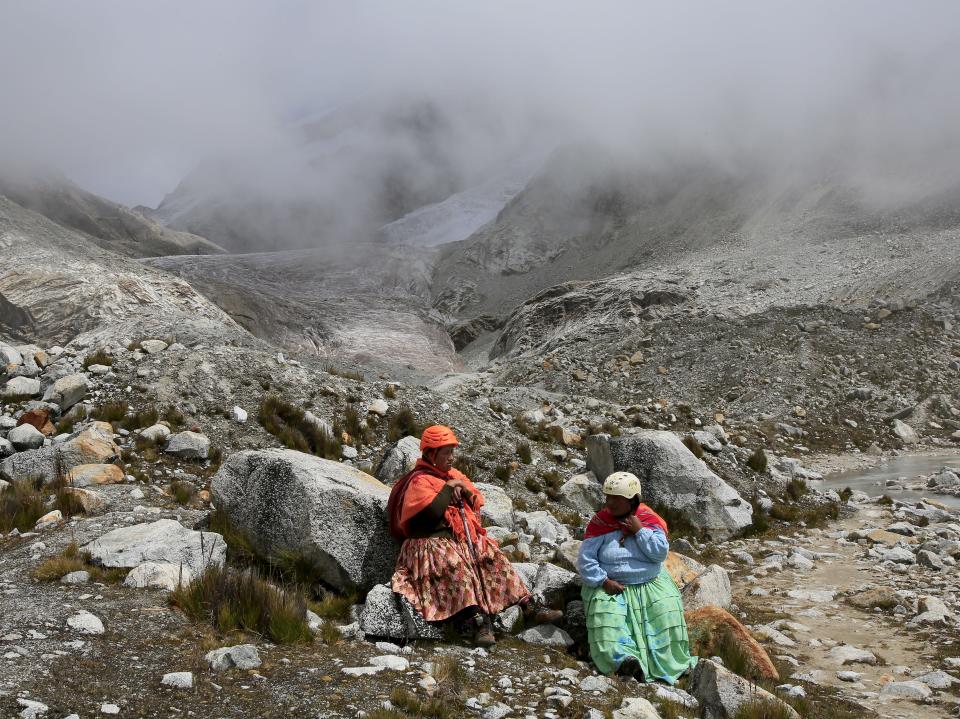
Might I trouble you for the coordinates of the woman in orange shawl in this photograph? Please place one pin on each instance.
(448, 568)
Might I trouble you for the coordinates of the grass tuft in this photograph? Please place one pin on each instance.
(693, 444)
(235, 600)
(763, 709)
(98, 357)
(524, 452)
(182, 492)
(796, 489)
(414, 706)
(403, 423)
(21, 505)
(288, 423)
(758, 461)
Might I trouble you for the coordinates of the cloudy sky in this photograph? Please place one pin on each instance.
(127, 98)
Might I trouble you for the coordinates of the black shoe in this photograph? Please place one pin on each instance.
(630, 667)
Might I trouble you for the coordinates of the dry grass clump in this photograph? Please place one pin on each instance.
(763, 709)
(346, 374)
(403, 423)
(503, 472)
(537, 432)
(110, 412)
(72, 559)
(817, 516)
(288, 423)
(182, 492)
(449, 673)
(334, 606)
(330, 634)
(98, 357)
(354, 425)
(390, 391)
(796, 489)
(720, 643)
(429, 708)
(21, 505)
(242, 600)
(757, 461)
(693, 444)
(524, 453)
(552, 481)
(240, 549)
(175, 418)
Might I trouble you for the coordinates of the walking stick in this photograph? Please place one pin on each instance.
(473, 552)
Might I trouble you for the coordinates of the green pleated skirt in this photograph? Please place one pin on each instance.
(645, 621)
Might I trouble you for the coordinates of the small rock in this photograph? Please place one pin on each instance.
(546, 635)
(241, 656)
(109, 709)
(846, 654)
(25, 437)
(188, 445)
(85, 623)
(81, 577)
(238, 415)
(152, 347)
(378, 407)
(392, 662)
(178, 680)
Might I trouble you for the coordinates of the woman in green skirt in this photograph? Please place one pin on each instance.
(634, 613)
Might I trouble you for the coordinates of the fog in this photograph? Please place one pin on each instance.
(128, 99)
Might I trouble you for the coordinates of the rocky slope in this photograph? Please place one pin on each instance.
(109, 225)
(56, 283)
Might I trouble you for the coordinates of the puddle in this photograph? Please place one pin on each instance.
(872, 479)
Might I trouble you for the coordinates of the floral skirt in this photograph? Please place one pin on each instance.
(439, 577)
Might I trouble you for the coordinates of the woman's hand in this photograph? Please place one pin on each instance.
(611, 586)
(459, 488)
(631, 525)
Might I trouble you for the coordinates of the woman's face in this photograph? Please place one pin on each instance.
(618, 506)
(443, 459)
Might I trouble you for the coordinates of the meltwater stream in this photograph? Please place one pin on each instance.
(872, 480)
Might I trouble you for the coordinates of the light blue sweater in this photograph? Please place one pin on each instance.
(637, 561)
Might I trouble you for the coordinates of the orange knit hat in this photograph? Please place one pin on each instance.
(437, 436)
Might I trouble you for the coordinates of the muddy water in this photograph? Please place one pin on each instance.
(872, 480)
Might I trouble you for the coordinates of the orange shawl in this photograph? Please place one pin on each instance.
(421, 487)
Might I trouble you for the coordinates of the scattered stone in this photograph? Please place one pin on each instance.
(50, 519)
(546, 635)
(80, 577)
(25, 437)
(109, 709)
(241, 656)
(848, 676)
(710, 588)
(85, 623)
(156, 433)
(636, 708)
(238, 415)
(32, 709)
(846, 654)
(19, 387)
(67, 391)
(498, 507)
(398, 459)
(583, 493)
(178, 680)
(188, 445)
(152, 347)
(378, 407)
(391, 662)
(905, 432)
(158, 575)
(911, 689)
(84, 475)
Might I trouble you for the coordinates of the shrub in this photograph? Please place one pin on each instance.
(98, 357)
(693, 444)
(174, 417)
(182, 492)
(390, 391)
(533, 485)
(845, 494)
(354, 426)
(758, 461)
(288, 423)
(430, 708)
(402, 424)
(763, 709)
(110, 412)
(796, 489)
(524, 452)
(503, 472)
(334, 606)
(242, 600)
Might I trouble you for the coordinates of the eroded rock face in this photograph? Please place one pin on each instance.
(330, 513)
(672, 477)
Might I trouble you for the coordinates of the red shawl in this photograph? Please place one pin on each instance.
(604, 522)
(417, 489)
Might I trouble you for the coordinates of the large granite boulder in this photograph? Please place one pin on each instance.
(583, 493)
(67, 391)
(94, 445)
(672, 477)
(398, 459)
(165, 541)
(331, 514)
